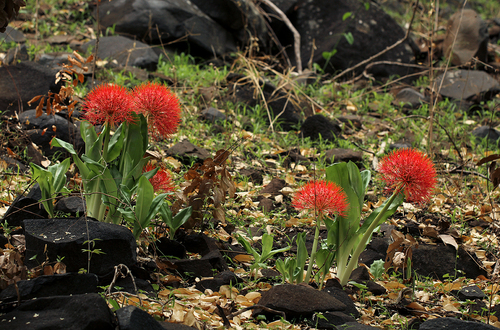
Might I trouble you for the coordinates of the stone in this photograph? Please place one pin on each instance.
(465, 84)
(298, 301)
(266, 205)
(410, 98)
(254, 176)
(376, 250)
(41, 131)
(343, 297)
(66, 237)
(23, 81)
(12, 35)
(126, 51)
(168, 248)
(186, 151)
(426, 257)
(466, 37)
(51, 285)
(76, 312)
(318, 125)
(165, 21)
(224, 278)
(13, 164)
(73, 205)
(204, 267)
(134, 318)
(274, 187)
(340, 155)
(488, 132)
(330, 320)
(213, 115)
(451, 323)
(23, 208)
(369, 30)
(470, 293)
(200, 243)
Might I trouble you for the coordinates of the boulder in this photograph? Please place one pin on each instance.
(466, 84)
(451, 323)
(49, 239)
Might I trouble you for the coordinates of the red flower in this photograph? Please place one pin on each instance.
(321, 196)
(160, 107)
(108, 103)
(161, 181)
(410, 171)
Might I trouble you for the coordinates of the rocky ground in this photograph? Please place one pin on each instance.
(278, 128)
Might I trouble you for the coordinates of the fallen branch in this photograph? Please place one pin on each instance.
(296, 34)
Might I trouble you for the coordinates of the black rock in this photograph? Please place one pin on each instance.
(225, 278)
(32, 79)
(204, 267)
(486, 132)
(168, 248)
(298, 301)
(41, 131)
(438, 260)
(73, 205)
(12, 35)
(200, 243)
(330, 320)
(24, 208)
(213, 115)
(186, 152)
(340, 155)
(127, 52)
(451, 323)
(134, 318)
(410, 98)
(51, 285)
(470, 293)
(254, 176)
(76, 312)
(343, 297)
(317, 125)
(54, 238)
(466, 84)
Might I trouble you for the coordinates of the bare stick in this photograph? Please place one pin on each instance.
(296, 35)
(368, 60)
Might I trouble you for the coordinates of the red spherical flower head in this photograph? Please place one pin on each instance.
(108, 103)
(161, 181)
(321, 196)
(410, 171)
(160, 107)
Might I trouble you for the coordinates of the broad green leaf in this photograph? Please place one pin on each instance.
(115, 146)
(181, 218)
(145, 195)
(59, 174)
(377, 268)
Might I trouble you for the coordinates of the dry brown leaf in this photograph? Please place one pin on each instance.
(448, 239)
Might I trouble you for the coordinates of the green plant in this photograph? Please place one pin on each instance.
(407, 172)
(174, 222)
(51, 182)
(292, 268)
(267, 252)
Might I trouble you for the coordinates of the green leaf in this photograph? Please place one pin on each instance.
(346, 15)
(46, 182)
(390, 211)
(181, 218)
(115, 146)
(145, 195)
(349, 37)
(377, 268)
(59, 175)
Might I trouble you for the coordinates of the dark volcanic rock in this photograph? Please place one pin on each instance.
(23, 82)
(340, 155)
(466, 37)
(125, 51)
(465, 84)
(486, 132)
(225, 278)
(71, 205)
(167, 247)
(185, 151)
(410, 98)
(134, 318)
(343, 297)
(66, 237)
(370, 31)
(77, 312)
(298, 301)
(24, 208)
(168, 20)
(204, 267)
(41, 131)
(451, 323)
(51, 285)
(438, 260)
(317, 125)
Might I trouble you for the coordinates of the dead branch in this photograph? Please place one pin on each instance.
(296, 34)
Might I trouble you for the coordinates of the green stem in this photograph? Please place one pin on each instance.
(362, 244)
(312, 259)
(97, 208)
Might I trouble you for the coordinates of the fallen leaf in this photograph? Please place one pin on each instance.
(447, 239)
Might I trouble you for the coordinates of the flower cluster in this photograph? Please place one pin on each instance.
(409, 171)
(321, 196)
(113, 104)
(161, 181)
